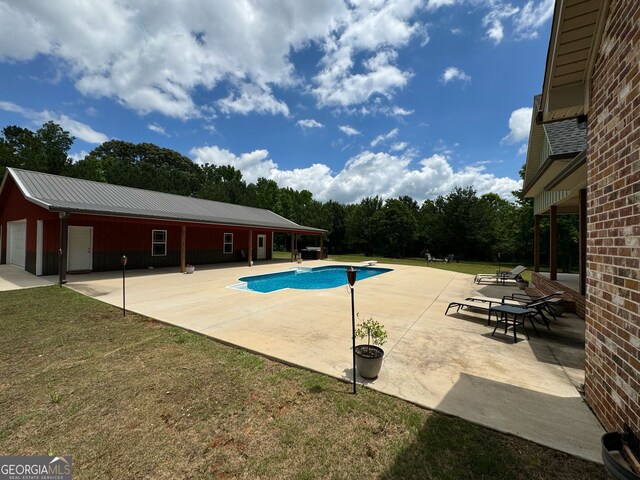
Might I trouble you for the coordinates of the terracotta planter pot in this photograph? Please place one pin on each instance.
(368, 360)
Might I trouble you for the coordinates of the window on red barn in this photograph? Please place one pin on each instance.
(159, 243)
(228, 243)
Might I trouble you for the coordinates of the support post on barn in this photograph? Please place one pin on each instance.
(183, 249)
(250, 253)
(64, 239)
(321, 247)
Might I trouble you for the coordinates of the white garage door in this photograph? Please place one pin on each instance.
(16, 243)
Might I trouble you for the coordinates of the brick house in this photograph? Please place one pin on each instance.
(592, 78)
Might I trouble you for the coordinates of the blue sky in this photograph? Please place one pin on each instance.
(345, 99)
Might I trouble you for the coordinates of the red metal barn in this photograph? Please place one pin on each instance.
(48, 221)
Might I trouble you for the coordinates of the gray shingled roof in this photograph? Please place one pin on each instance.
(565, 137)
(58, 193)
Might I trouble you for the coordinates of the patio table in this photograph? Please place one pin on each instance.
(502, 316)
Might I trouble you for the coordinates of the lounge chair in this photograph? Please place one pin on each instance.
(483, 304)
(536, 306)
(526, 298)
(501, 277)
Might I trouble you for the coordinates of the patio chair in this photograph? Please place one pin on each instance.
(483, 304)
(501, 277)
(546, 303)
(526, 298)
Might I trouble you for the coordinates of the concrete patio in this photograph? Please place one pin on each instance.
(451, 364)
(13, 278)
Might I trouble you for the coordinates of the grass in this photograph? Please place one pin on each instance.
(133, 398)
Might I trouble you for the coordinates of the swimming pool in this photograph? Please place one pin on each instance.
(304, 278)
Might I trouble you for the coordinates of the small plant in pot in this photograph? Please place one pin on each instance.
(369, 356)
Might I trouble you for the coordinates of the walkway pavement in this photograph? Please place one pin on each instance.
(13, 278)
(451, 364)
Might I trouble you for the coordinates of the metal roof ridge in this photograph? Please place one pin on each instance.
(23, 188)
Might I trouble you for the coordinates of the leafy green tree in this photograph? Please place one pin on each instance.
(335, 215)
(267, 195)
(143, 165)
(395, 228)
(55, 144)
(361, 228)
(45, 150)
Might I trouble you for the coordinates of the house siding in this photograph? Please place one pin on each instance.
(13, 206)
(612, 310)
(116, 236)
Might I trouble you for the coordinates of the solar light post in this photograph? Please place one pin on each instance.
(351, 278)
(123, 262)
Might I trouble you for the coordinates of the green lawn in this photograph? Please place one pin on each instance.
(133, 398)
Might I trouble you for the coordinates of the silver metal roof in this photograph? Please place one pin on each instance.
(57, 193)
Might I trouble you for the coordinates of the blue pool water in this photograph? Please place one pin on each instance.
(308, 278)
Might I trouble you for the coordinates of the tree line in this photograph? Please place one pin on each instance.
(461, 223)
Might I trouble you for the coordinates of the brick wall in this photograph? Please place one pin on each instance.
(576, 302)
(612, 313)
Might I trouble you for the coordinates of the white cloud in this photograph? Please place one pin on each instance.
(526, 20)
(435, 4)
(383, 137)
(399, 146)
(523, 149)
(493, 20)
(154, 59)
(454, 73)
(78, 129)
(309, 123)
(154, 127)
(253, 99)
(400, 112)
(338, 87)
(376, 30)
(364, 175)
(253, 165)
(519, 125)
(77, 156)
(532, 17)
(348, 130)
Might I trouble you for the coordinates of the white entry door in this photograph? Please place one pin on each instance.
(17, 243)
(262, 247)
(80, 249)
